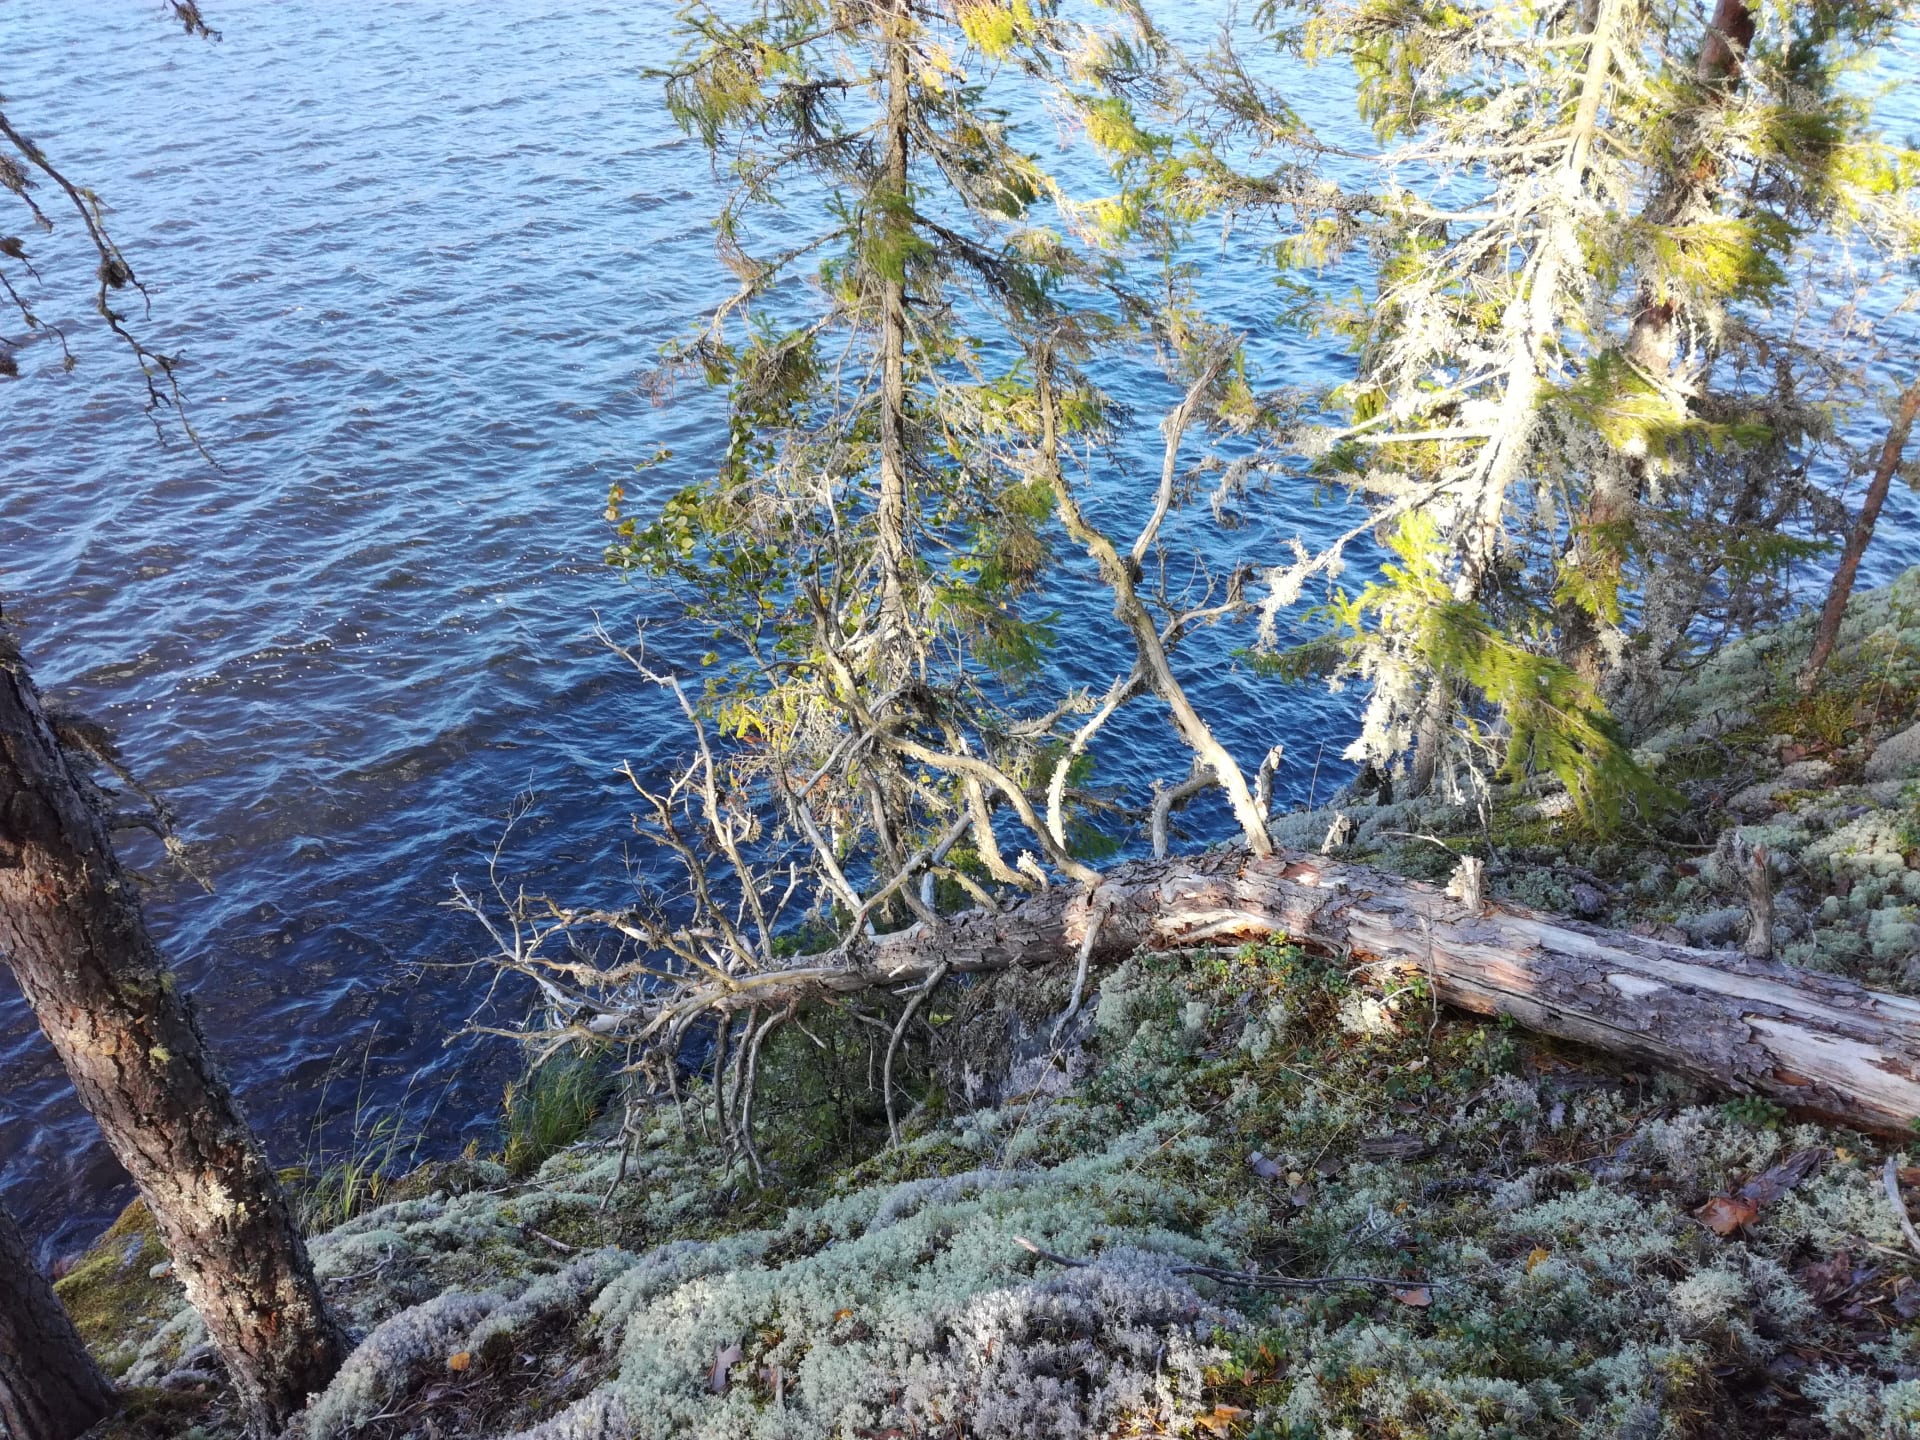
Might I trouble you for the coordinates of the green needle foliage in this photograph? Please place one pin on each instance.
(1623, 257)
(1621, 260)
(869, 553)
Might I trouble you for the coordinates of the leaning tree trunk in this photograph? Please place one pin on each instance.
(1820, 1044)
(72, 931)
(1602, 532)
(50, 1389)
(1827, 631)
(891, 517)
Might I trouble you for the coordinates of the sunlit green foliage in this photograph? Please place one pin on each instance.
(901, 254)
(1553, 722)
(1612, 323)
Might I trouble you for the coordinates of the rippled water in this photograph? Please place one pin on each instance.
(416, 255)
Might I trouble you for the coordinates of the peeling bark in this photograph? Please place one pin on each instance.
(1817, 1043)
(50, 1389)
(72, 931)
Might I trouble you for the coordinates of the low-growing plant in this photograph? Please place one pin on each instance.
(551, 1107)
(1754, 1110)
(331, 1186)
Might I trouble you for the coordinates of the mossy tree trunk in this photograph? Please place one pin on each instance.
(72, 930)
(50, 1389)
(892, 518)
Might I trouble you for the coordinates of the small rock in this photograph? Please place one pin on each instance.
(1587, 900)
(1895, 758)
(1758, 799)
(1716, 927)
(1716, 723)
(1556, 806)
(1398, 1146)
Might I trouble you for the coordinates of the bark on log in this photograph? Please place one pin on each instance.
(72, 931)
(50, 1389)
(1820, 1044)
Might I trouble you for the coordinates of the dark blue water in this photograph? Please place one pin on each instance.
(416, 256)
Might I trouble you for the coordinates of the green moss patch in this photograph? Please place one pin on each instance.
(112, 1294)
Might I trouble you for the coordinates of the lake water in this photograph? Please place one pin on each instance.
(416, 256)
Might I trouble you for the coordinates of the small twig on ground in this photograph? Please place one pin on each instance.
(893, 1044)
(362, 1274)
(544, 1238)
(1890, 1177)
(1094, 918)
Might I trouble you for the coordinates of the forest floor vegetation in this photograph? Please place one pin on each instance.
(1243, 1194)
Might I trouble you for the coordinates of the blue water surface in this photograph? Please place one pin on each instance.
(416, 257)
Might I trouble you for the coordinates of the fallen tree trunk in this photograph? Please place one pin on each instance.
(1816, 1043)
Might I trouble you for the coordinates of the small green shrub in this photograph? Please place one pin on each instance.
(1755, 1110)
(550, 1108)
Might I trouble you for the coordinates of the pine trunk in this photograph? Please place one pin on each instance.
(50, 1389)
(891, 519)
(1827, 631)
(72, 931)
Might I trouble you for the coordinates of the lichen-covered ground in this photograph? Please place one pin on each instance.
(1828, 783)
(1501, 1236)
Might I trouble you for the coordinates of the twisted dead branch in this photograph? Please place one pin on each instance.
(1819, 1044)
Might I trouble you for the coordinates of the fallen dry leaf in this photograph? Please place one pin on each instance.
(1776, 1180)
(1263, 1167)
(1418, 1296)
(460, 1360)
(1826, 1280)
(722, 1363)
(1906, 1298)
(1220, 1419)
(1724, 1214)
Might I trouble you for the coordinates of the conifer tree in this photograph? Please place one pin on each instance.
(50, 1389)
(74, 936)
(868, 551)
(1618, 247)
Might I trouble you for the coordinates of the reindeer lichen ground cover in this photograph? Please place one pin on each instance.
(1529, 1218)
(1518, 1239)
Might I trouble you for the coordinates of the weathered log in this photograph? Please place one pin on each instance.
(50, 1389)
(1817, 1043)
(72, 931)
